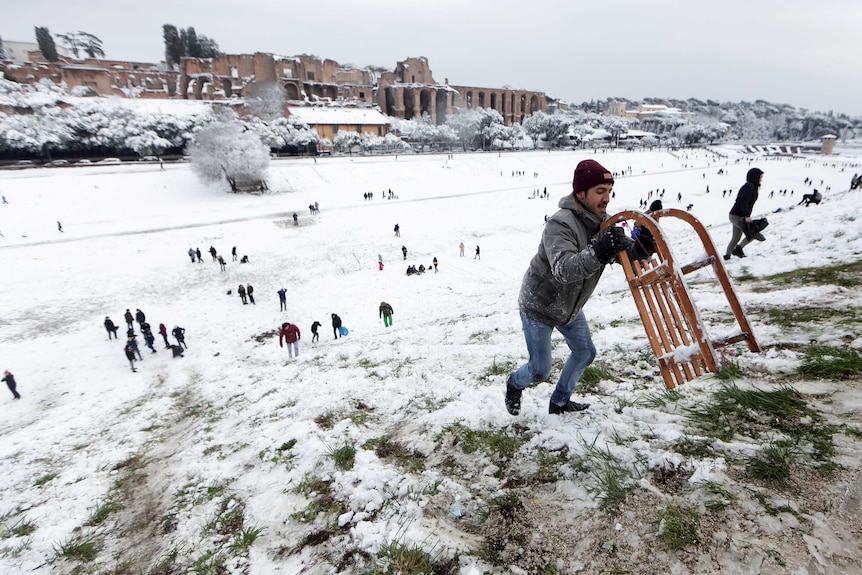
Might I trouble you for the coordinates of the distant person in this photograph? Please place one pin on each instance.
(9, 380)
(241, 291)
(434, 263)
(132, 342)
(336, 325)
(740, 213)
(129, 351)
(813, 198)
(180, 334)
(130, 319)
(192, 254)
(249, 290)
(404, 251)
(110, 327)
(282, 299)
(478, 255)
(213, 253)
(59, 226)
(222, 264)
(289, 333)
(386, 313)
(198, 255)
(163, 331)
(461, 248)
(397, 231)
(140, 317)
(295, 219)
(149, 338)
(314, 335)
(233, 253)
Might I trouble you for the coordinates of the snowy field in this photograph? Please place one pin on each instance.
(238, 425)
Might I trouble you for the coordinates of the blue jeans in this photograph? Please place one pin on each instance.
(538, 367)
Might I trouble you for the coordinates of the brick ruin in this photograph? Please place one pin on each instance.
(409, 91)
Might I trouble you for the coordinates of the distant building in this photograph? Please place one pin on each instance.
(827, 144)
(19, 52)
(329, 121)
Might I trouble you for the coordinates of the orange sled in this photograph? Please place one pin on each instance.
(671, 320)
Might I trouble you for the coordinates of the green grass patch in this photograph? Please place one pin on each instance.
(805, 316)
(40, 481)
(344, 456)
(593, 375)
(400, 558)
(679, 527)
(659, 399)
(490, 441)
(845, 275)
(502, 368)
(21, 528)
(772, 465)
(327, 420)
(102, 512)
(831, 363)
(245, 539)
(723, 497)
(610, 479)
(84, 549)
(388, 448)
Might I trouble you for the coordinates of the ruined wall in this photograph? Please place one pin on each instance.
(440, 101)
(408, 92)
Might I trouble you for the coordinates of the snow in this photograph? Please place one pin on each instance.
(217, 416)
(320, 115)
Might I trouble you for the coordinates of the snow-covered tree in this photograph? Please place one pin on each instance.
(230, 151)
(266, 100)
(174, 49)
(46, 44)
(84, 42)
(346, 140)
(3, 54)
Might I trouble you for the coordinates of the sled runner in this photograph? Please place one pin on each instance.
(671, 320)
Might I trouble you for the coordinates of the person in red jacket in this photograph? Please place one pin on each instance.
(289, 333)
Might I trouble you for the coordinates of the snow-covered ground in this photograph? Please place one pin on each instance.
(237, 424)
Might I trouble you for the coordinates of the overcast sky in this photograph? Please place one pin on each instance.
(797, 52)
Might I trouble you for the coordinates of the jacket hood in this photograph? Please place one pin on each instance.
(753, 176)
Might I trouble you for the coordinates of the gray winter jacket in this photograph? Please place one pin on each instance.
(565, 271)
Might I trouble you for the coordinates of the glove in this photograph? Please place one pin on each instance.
(644, 245)
(607, 245)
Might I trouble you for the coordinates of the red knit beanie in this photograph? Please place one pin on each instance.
(588, 174)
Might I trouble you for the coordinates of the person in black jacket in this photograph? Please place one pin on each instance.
(336, 325)
(314, 335)
(9, 379)
(740, 213)
(110, 327)
(180, 333)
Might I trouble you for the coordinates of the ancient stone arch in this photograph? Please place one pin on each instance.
(534, 103)
(425, 103)
(227, 87)
(440, 104)
(469, 101)
(409, 100)
(291, 91)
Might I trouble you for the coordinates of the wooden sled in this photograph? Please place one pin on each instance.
(671, 320)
